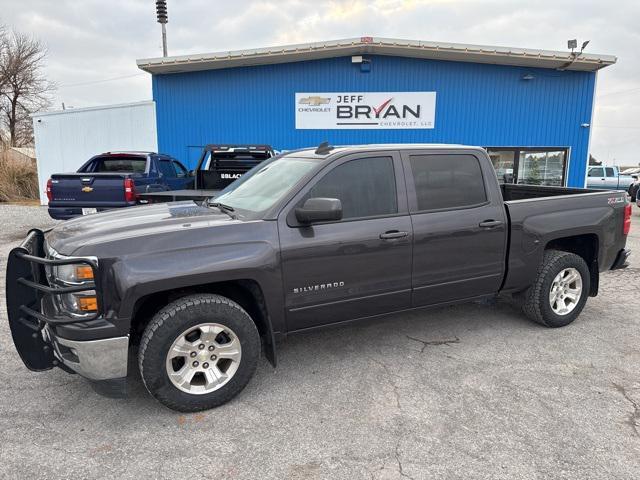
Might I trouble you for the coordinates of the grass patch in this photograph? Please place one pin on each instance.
(18, 180)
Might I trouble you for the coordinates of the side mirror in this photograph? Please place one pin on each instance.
(319, 210)
(192, 173)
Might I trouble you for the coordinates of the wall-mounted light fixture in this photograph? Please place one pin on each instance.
(365, 63)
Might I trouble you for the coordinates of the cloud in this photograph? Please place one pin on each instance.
(91, 41)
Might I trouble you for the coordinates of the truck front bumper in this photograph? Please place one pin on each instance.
(96, 360)
(33, 322)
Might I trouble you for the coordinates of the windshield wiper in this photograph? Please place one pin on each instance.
(223, 208)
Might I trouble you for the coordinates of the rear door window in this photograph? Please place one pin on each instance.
(447, 181)
(166, 167)
(180, 170)
(365, 186)
(609, 171)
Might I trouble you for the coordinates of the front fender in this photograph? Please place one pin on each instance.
(137, 276)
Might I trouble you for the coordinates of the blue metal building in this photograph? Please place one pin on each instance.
(531, 109)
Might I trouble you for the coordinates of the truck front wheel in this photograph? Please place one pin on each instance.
(559, 291)
(198, 352)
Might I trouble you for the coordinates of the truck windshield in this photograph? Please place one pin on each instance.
(264, 185)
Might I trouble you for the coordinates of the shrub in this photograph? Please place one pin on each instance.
(18, 179)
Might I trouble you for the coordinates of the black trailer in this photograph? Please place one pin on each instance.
(219, 165)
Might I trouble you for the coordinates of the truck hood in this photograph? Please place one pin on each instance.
(134, 222)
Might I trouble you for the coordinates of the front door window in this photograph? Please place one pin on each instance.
(366, 187)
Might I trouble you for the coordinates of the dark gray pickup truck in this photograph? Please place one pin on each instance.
(305, 239)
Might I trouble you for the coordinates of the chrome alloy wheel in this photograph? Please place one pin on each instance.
(203, 358)
(566, 290)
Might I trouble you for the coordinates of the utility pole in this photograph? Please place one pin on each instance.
(163, 18)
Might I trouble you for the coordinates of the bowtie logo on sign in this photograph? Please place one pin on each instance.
(314, 101)
(374, 110)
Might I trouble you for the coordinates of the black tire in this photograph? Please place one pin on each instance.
(633, 191)
(169, 323)
(536, 303)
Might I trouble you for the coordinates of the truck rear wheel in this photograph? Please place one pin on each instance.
(560, 290)
(198, 352)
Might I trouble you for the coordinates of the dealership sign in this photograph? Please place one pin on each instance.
(365, 110)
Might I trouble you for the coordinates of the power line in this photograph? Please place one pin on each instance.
(619, 92)
(93, 82)
(617, 126)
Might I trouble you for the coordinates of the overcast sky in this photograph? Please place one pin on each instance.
(93, 44)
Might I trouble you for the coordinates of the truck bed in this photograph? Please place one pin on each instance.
(512, 191)
(537, 214)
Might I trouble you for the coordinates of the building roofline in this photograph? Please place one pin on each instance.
(89, 109)
(458, 52)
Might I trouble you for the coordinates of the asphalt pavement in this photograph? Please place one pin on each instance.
(465, 392)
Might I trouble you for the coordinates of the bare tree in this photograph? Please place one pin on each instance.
(23, 88)
(3, 49)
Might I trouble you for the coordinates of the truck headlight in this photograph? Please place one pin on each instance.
(74, 274)
(80, 303)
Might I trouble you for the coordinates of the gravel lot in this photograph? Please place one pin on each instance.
(473, 391)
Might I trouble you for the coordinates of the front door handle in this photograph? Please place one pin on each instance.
(490, 224)
(391, 234)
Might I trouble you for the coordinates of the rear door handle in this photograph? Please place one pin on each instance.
(490, 224)
(391, 234)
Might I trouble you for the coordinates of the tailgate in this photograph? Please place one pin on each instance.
(88, 190)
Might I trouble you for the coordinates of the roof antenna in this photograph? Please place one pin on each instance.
(323, 148)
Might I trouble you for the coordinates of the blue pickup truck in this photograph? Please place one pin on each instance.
(608, 178)
(114, 180)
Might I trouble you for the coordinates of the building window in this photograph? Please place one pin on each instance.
(504, 163)
(532, 166)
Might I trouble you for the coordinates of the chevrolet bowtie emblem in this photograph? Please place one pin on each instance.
(314, 101)
(87, 189)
